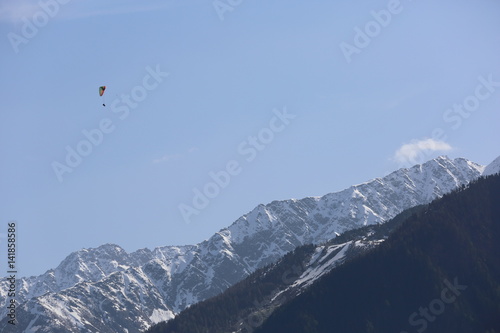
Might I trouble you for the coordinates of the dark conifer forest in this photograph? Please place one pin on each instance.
(438, 271)
(404, 285)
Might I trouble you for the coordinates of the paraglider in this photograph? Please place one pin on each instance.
(101, 93)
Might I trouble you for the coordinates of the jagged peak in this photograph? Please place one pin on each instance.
(492, 168)
(252, 221)
(265, 233)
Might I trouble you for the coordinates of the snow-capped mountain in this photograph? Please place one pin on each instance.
(109, 290)
(88, 265)
(245, 305)
(492, 168)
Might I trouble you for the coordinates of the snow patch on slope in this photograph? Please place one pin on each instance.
(160, 315)
(113, 290)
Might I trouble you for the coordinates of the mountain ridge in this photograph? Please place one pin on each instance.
(450, 248)
(178, 276)
(243, 306)
(492, 168)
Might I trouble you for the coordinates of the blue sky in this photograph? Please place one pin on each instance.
(244, 102)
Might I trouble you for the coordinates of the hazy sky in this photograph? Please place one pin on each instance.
(213, 107)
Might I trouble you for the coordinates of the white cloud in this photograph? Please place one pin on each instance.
(118, 9)
(404, 98)
(15, 11)
(419, 150)
(167, 158)
(174, 157)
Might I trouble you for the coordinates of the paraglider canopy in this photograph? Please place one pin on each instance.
(101, 92)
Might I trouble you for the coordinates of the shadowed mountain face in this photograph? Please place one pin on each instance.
(244, 306)
(439, 272)
(109, 290)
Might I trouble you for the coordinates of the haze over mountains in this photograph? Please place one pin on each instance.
(108, 290)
